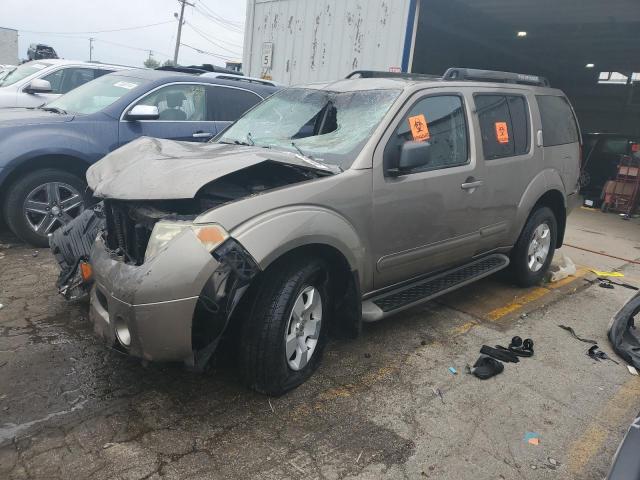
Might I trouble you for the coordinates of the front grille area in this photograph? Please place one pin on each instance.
(125, 235)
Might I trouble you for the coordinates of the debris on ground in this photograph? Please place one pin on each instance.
(597, 354)
(453, 371)
(532, 438)
(619, 284)
(35, 253)
(1, 306)
(486, 367)
(437, 392)
(521, 348)
(607, 274)
(632, 370)
(575, 335)
(561, 267)
(552, 463)
(606, 285)
(501, 354)
(623, 332)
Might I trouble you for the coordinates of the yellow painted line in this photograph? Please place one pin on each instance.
(618, 410)
(535, 294)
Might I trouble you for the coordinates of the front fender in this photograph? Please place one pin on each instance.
(270, 235)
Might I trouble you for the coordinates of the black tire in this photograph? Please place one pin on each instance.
(14, 212)
(523, 275)
(263, 362)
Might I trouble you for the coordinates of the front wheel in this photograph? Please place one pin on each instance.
(534, 250)
(285, 331)
(41, 202)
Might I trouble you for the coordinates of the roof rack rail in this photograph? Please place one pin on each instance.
(454, 74)
(383, 74)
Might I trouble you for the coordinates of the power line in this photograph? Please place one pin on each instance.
(98, 31)
(217, 40)
(130, 47)
(221, 23)
(238, 24)
(213, 42)
(204, 52)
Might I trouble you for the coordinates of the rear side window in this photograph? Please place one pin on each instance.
(504, 125)
(558, 123)
(228, 104)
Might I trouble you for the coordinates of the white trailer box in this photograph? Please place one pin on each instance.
(8, 46)
(300, 41)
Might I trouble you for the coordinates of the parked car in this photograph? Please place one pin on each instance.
(35, 83)
(601, 156)
(40, 51)
(45, 152)
(325, 206)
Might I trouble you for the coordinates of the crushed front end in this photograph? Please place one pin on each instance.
(164, 286)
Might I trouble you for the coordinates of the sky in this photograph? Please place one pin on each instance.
(213, 26)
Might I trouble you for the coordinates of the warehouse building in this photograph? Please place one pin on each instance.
(8, 46)
(588, 48)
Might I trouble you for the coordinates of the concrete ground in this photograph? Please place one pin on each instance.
(69, 408)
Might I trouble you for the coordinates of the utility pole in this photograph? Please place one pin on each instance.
(91, 48)
(180, 20)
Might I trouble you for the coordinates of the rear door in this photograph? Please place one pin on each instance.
(430, 217)
(183, 115)
(504, 136)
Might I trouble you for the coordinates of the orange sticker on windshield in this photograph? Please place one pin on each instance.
(419, 128)
(502, 133)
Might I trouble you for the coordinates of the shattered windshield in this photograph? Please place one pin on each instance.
(326, 126)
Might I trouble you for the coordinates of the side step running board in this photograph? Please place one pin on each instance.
(414, 293)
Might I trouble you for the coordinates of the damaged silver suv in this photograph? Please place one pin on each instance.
(325, 206)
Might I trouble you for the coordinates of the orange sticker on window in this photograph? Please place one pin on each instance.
(419, 128)
(502, 132)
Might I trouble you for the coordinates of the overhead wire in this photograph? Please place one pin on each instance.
(212, 42)
(99, 31)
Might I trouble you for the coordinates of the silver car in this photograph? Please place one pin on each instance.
(325, 206)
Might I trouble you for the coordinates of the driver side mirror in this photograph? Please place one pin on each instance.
(38, 86)
(412, 155)
(143, 112)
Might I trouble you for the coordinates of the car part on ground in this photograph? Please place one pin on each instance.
(623, 332)
(626, 461)
(71, 245)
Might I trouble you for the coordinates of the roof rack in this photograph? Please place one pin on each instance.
(198, 69)
(454, 74)
(383, 74)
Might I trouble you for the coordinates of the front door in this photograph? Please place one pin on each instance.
(429, 217)
(183, 115)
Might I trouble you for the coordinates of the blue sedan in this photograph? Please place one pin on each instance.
(45, 152)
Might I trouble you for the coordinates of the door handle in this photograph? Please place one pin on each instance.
(472, 185)
(202, 135)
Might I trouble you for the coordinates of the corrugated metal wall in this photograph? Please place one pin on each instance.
(8, 46)
(318, 40)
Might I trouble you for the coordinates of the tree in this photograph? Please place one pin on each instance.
(151, 62)
(168, 63)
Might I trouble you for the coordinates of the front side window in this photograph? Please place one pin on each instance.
(94, 96)
(23, 71)
(328, 126)
(439, 121)
(55, 80)
(504, 125)
(74, 77)
(558, 123)
(177, 103)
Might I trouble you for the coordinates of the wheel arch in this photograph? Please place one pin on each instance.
(554, 200)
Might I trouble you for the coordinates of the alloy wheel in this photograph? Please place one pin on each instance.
(303, 328)
(51, 205)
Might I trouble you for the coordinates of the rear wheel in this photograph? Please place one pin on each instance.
(43, 201)
(285, 330)
(534, 250)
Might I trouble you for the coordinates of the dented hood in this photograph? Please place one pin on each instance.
(156, 169)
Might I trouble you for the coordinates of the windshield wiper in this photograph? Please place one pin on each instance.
(316, 163)
(54, 110)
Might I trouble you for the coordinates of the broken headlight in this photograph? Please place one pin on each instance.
(209, 235)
